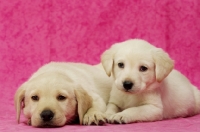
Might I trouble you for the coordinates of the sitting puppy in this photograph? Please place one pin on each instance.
(58, 92)
(146, 88)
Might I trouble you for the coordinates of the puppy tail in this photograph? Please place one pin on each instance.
(19, 97)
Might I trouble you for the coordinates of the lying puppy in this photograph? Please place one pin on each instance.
(58, 92)
(146, 88)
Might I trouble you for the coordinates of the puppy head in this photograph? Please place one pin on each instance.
(51, 100)
(136, 65)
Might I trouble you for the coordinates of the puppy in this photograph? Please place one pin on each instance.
(146, 88)
(58, 92)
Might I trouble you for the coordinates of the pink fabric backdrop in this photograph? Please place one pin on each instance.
(34, 32)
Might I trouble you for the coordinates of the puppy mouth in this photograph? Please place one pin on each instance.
(127, 91)
(121, 88)
(133, 90)
(48, 125)
(56, 124)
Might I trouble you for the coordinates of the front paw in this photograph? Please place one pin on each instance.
(94, 118)
(118, 118)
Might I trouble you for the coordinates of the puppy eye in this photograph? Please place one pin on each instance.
(143, 68)
(121, 65)
(35, 98)
(60, 97)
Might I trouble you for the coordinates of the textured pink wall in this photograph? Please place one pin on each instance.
(34, 32)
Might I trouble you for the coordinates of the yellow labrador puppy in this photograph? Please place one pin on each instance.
(146, 87)
(58, 92)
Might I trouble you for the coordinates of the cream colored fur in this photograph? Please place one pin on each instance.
(85, 87)
(158, 93)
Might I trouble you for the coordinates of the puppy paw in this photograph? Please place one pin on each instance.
(94, 118)
(118, 118)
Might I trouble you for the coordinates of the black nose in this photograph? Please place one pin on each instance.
(127, 85)
(47, 115)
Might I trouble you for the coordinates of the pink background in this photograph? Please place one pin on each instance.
(34, 32)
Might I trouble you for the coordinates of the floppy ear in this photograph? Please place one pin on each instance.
(163, 64)
(107, 61)
(84, 102)
(19, 97)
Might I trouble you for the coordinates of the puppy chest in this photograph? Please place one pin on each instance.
(125, 100)
(130, 101)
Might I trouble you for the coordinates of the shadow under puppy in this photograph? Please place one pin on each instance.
(146, 87)
(58, 92)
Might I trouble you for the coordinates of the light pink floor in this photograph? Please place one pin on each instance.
(34, 32)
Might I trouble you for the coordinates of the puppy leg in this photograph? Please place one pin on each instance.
(95, 115)
(142, 113)
(111, 110)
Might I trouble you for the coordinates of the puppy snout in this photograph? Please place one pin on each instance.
(127, 85)
(47, 115)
